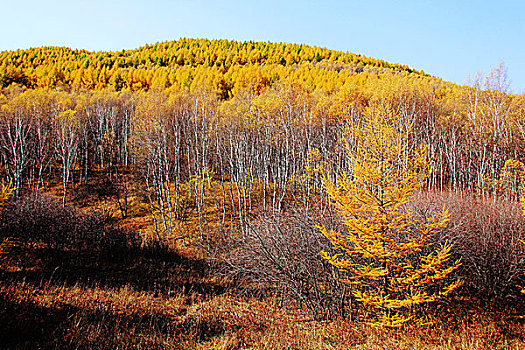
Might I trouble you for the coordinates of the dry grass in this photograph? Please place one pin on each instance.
(61, 316)
(161, 297)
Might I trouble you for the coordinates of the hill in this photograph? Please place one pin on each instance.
(178, 63)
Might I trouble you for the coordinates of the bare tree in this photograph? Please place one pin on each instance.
(66, 128)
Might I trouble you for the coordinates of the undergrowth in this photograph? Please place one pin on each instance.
(107, 286)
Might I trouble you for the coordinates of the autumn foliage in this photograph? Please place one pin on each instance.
(386, 254)
(179, 195)
(6, 192)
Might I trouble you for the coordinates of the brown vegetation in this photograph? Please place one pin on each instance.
(183, 213)
(136, 296)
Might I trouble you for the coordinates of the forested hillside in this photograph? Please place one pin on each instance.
(302, 95)
(210, 168)
(226, 66)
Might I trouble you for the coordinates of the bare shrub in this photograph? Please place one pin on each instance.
(487, 234)
(42, 222)
(281, 252)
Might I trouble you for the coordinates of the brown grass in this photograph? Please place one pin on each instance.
(61, 316)
(168, 297)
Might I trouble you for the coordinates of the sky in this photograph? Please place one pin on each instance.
(450, 39)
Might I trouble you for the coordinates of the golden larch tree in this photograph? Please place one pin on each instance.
(386, 254)
(6, 191)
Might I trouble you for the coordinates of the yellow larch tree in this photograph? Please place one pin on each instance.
(5, 192)
(385, 253)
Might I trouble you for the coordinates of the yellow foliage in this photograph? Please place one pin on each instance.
(510, 181)
(6, 192)
(385, 252)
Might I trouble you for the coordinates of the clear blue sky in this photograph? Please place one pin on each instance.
(451, 39)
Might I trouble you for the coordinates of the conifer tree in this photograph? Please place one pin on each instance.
(5, 192)
(387, 255)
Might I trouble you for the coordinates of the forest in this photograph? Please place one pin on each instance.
(218, 194)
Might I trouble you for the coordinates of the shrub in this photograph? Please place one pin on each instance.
(42, 222)
(282, 252)
(486, 234)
